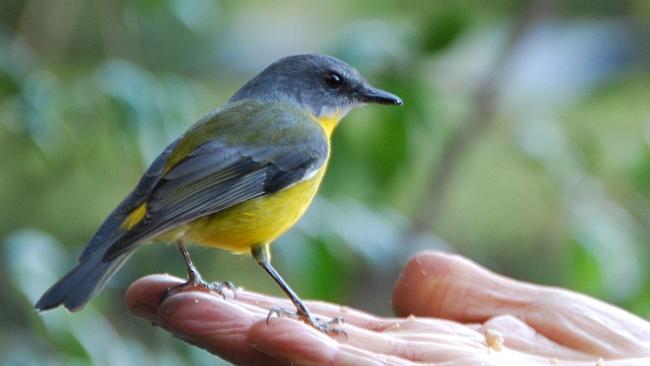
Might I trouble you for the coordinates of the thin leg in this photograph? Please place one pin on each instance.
(194, 280)
(192, 274)
(263, 258)
(261, 255)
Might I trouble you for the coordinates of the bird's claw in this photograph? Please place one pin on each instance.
(219, 288)
(198, 284)
(325, 326)
(280, 312)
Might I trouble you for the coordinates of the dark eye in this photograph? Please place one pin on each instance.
(333, 80)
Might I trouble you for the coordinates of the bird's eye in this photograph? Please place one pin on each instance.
(333, 80)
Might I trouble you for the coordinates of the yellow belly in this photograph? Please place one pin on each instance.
(258, 221)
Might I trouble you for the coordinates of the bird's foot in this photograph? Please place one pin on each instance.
(198, 284)
(219, 288)
(325, 326)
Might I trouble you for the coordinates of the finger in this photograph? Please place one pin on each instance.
(143, 297)
(293, 342)
(521, 337)
(143, 300)
(209, 322)
(319, 308)
(419, 340)
(288, 339)
(438, 333)
(589, 325)
(452, 287)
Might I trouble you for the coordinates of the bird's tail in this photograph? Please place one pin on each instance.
(80, 284)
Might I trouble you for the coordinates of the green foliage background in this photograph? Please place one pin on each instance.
(547, 102)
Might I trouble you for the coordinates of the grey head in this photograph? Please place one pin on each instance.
(323, 85)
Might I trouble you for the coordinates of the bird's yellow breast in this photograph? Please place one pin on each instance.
(257, 221)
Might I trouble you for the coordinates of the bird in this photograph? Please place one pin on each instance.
(237, 179)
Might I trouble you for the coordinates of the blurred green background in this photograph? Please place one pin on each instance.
(524, 144)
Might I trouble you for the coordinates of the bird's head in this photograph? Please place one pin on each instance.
(324, 85)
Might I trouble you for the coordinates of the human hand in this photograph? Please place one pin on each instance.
(454, 302)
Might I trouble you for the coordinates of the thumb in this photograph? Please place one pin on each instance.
(452, 287)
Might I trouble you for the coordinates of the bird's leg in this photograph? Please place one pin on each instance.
(193, 275)
(194, 280)
(263, 258)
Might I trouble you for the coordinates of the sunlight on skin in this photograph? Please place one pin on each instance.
(447, 303)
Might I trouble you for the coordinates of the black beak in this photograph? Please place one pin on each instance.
(372, 95)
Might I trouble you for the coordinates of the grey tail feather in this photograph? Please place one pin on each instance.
(84, 281)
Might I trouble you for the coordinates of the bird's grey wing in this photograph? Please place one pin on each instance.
(219, 175)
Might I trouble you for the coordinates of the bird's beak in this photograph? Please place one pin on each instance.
(371, 95)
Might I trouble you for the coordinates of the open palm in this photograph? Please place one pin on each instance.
(453, 312)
